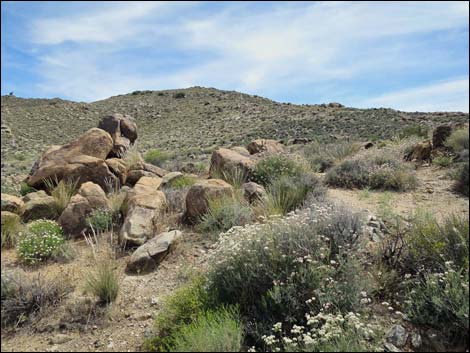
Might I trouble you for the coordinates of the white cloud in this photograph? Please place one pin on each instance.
(440, 96)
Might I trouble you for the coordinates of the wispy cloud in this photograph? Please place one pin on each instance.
(301, 52)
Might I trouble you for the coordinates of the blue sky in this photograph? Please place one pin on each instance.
(409, 56)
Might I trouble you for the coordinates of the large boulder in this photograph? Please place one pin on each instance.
(199, 194)
(147, 257)
(123, 131)
(265, 146)
(119, 168)
(12, 204)
(90, 197)
(145, 205)
(227, 160)
(81, 160)
(440, 135)
(39, 205)
(143, 170)
(420, 152)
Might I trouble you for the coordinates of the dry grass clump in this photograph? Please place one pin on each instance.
(62, 191)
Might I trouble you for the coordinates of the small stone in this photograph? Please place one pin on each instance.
(416, 340)
(397, 336)
(154, 301)
(59, 339)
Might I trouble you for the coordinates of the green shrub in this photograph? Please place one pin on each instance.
(212, 331)
(272, 271)
(26, 189)
(103, 282)
(443, 161)
(375, 172)
(414, 130)
(235, 177)
(462, 179)
(41, 241)
(323, 156)
(440, 300)
(181, 182)
(458, 140)
(100, 220)
(224, 213)
(180, 309)
(11, 228)
(23, 297)
(274, 167)
(62, 191)
(288, 193)
(156, 157)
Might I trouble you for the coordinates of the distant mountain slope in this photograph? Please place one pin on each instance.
(199, 117)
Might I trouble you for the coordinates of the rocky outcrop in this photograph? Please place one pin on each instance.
(143, 170)
(39, 205)
(147, 257)
(199, 194)
(81, 160)
(253, 192)
(123, 131)
(420, 152)
(227, 160)
(265, 146)
(90, 197)
(12, 204)
(145, 204)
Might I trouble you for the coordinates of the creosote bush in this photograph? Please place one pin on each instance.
(42, 240)
(103, 281)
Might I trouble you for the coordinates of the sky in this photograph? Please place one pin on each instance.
(412, 56)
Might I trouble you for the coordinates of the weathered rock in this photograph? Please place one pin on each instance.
(119, 168)
(147, 257)
(335, 105)
(242, 150)
(265, 146)
(143, 169)
(253, 192)
(123, 131)
(90, 197)
(397, 336)
(12, 204)
(199, 194)
(225, 160)
(420, 152)
(145, 205)
(154, 169)
(39, 205)
(440, 134)
(81, 160)
(416, 340)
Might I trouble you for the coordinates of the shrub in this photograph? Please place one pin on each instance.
(458, 140)
(180, 309)
(462, 179)
(287, 193)
(224, 213)
(23, 297)
(235, 177)
(26, 189)
(181, 182)
(272, 168)
(100, 220)
(11, 227)
(443, 161)
(376, 172)
(212, 331)
(323, 156)
(414, 130)
(440, 300)
(62, 191)
(272, 271)
(42, 240)
(156, 157)
(103, 282)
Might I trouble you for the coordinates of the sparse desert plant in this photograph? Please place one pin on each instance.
(274, 167)
(462, 179)
(212, 331)
(100, 220)
(181, 182)
(224, 213)
(323, 156)
(62, 191)
(156, 157)
(132, 157)
(443, 161)
(103, 281)
(414, 130)
(458, 140)
(26, 189)
(11, 229)
(42, 240)
(23, 297)
(235, 176)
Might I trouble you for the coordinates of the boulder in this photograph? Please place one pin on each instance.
(90, 197)
(199, 194)
(81, 160)
(123, 131)
(265, 146)
(420, 152)
(397, 336)
(143, 169)
(253, 192)
(39, 205)
(12, 204)
(147, 257)
(226, 160)
(440, 135)
(145, 204)
(119, 168)
(241, 150)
